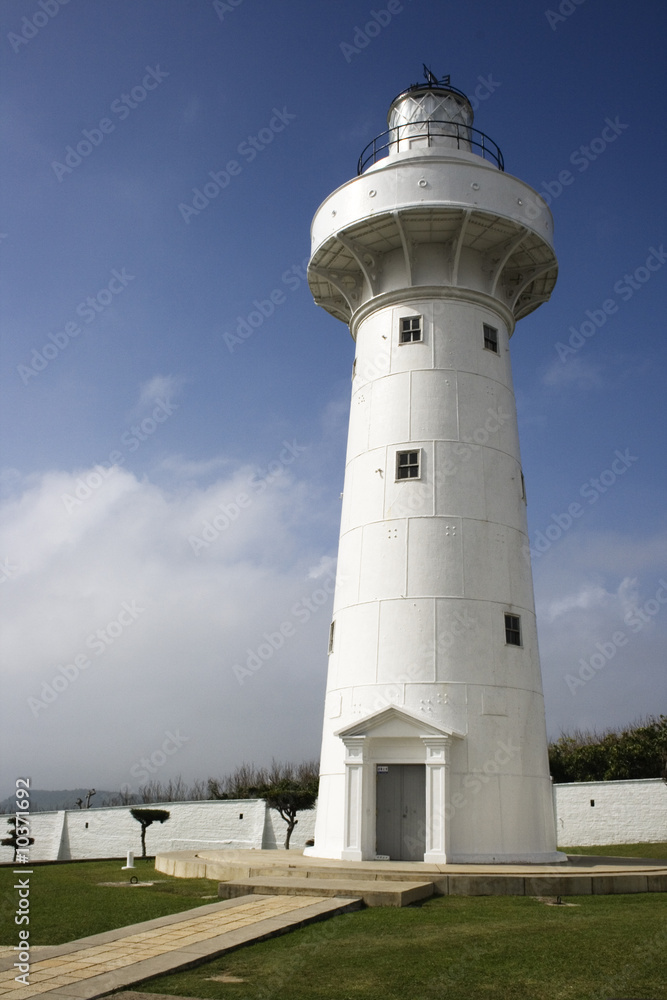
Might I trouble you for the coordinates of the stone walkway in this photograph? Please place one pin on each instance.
(93, 966)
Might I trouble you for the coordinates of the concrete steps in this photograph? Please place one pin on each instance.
(344, 874)
(580, 875)
(373, 892)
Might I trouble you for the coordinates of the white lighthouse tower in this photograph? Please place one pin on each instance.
(434, 745)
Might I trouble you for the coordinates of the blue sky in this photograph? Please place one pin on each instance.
(149, 415)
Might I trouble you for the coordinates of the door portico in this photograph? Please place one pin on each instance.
(394, 736)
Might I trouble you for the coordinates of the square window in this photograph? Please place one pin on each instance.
(512, 630)
(407, 465)
(411, 329)
(490, 338)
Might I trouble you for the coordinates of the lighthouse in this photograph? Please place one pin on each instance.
(434, 741)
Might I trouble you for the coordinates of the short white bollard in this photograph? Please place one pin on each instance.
(130, 861)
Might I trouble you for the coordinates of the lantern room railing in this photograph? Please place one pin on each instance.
(461, 136)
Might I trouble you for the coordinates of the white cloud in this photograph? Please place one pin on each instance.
(575, 372)
(325, 567)
(163, 388)
(117, 583)
(589, 596)
(588, 590)
(183, 468)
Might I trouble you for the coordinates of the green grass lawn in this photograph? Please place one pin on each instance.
(67, 902)
(658, 851)
(458, 948)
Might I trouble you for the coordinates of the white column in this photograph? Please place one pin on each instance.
(437, 792)
(355, 766)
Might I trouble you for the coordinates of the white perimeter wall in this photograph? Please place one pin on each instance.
(625, 812)
(112, 832)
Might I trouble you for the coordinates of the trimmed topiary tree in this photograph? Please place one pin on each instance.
(11, 840)
(146, 817)
(288, 788)
(288, 798)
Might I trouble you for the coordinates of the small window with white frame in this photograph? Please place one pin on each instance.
(332, 629)
(411, 329)
(490, 338)
(408, 464)
(513, 630)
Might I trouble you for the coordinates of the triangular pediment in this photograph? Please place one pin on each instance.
(393, 722)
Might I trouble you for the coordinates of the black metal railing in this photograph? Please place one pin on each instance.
(464, 136)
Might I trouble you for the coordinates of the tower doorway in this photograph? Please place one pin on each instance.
(400, 827)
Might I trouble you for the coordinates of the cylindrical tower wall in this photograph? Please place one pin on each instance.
(428, 567)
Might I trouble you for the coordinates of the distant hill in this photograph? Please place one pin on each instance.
(43, 800)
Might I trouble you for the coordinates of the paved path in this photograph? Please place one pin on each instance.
(93, 966)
